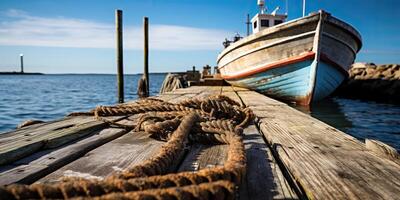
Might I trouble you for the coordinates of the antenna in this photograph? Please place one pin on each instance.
(261, 5)
(276, 10)
(287, 7)
(304, 8)
(248, 24)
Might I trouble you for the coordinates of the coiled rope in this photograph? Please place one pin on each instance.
(216, 119)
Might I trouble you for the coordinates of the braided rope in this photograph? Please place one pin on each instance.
(215, 190)
(215, 119)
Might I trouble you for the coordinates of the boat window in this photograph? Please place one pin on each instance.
(278, 22)
(255, 24)
(264, 23)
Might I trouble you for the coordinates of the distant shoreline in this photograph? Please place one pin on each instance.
(19, 73)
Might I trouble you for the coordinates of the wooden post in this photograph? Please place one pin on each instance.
(120, 71)
(146, 52)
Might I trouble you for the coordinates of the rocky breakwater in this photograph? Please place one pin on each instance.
(372, 82)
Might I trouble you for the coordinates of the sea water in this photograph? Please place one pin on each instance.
(49, 97)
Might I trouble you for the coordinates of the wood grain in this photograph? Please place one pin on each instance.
(27, 141)
(264, 179)
(204, 156)
(114, 156)
(325, 162)
(38, 165)
(382, 149)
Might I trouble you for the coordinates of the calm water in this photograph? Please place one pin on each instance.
(50, 97)
(47, 97)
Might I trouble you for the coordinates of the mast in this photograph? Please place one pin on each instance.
(248, 24)
(261, 5)
(304, 8)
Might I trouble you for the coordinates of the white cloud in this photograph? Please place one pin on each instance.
(20, 28)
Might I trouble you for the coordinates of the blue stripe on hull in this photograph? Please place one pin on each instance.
(288, 82)
(294, 82)
(328, 78)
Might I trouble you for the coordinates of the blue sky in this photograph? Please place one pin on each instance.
(77, 36)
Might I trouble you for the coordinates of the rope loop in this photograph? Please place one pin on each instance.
(212, 120)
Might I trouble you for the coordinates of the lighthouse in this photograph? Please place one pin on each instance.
(21, 56)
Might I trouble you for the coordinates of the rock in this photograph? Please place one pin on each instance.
(387, 74)
(396, 67)
(370, 71)
(381, 67)
(359, 65)
(364, 71)
(373, 82)
(376, 75)
(397, 75)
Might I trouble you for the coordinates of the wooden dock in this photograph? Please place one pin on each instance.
(290, 155)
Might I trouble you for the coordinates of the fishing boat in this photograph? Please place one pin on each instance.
(302, 60)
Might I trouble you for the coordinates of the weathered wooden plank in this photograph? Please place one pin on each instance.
(131, 148)
(257, 99)
(28, 141)
(43, 162)
(38, 129)
(326, 163)
(264, 179)
(201, 156)
(34, 167)
(167, 97)
(326, 166)
(183, 97)
(201, 92)
(181, 94)
(382, 149)
(187, 93)
(237, 89)
(193, 90)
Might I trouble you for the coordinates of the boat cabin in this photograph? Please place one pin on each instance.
(262, 21)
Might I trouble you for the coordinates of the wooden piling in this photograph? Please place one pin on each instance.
(120, 72)
(146, 52)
